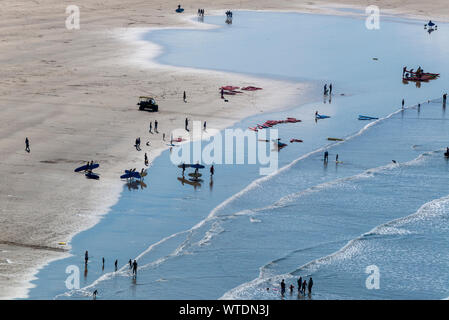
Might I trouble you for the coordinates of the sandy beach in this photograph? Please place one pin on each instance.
(73, 93)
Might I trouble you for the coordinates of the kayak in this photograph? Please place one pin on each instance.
(367, 118)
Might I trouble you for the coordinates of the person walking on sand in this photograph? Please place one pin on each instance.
(155, 126)
(151, 127)
(185, 97)
(310, 285)
(187, 124)
(135, 267)
(86, 257)
(27, 145)
(330, 89)
(146, 159)
(282, 287)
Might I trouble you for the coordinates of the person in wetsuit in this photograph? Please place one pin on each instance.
(299, 284)
(282, 287)
(310, 285)
(135, 267)
(86, 257)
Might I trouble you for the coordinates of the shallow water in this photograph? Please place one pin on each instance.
(190, 244)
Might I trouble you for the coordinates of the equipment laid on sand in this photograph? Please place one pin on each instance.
(91, 175)
(367, 118)
(147, 103)
(335, 139)
(87, 167)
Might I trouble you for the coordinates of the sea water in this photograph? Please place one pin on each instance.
(239, 233)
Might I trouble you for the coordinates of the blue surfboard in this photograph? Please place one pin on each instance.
(87, 167)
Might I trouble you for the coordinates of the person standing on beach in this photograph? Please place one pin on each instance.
(330, 89)
(115, 264)
(183, 169)
(212, 170)
(326, 156)
(187, 124)
(27, 145)
(155, 126)
(94, 294)
(146, 159)
(185, 97)
(299, 284)
(325, 89)
(151, 127)
(444, 99)
(403, 102)
(282, 287)
(130, 263)
(222, 93)
(304, 285)
(86, 257)
(135, 267)
(102, 266)
(204, 126)
(336, 158)
(310, 285)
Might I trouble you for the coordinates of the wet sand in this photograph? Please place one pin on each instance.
(74, 94)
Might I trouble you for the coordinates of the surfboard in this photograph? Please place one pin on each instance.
(197, 166)
(130, 175)
(87, 167)
(321, 116)
(186, 165)
(179, 10)
(335, 139)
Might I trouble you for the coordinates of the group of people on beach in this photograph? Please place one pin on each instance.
(132, 266)
(302, 286)
(201, 12)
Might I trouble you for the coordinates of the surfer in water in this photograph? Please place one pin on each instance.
(94, 294)
(86, 257)
(326, 156)
(27, 145)
(304, 285)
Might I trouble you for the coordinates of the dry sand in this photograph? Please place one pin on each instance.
(74, 94)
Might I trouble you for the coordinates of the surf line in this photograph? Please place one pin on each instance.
(214, 211)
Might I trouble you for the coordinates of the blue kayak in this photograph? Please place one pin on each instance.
(367, 118)
(130, 175)
(87, 167)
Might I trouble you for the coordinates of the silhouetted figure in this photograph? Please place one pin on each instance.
(130, 263)
(330, 89)
(102, 266)
(282, 287)
(310, 285)
(155, 126)
(135, 267)
(185, 97)
(326, 156)
(403, 102)
(95, 294)
(299, 284)
(86, 257)
(27, 145)
(187, 124)
(115, 264)
(212, 170)
(304, 285)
